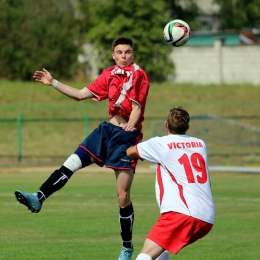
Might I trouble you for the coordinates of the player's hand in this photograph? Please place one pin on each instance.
(128, 127)
(43, 76)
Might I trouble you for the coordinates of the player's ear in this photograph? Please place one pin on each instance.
(188, 127)
(166, 125)
(113, 55)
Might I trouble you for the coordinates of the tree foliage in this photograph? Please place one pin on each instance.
(239, 14)
(187, 11)
(140, 20)
(143, 21)
(37, 34)
(50, 33)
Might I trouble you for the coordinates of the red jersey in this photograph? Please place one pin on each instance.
(121, 86)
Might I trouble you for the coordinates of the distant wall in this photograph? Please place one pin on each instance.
(217, 64)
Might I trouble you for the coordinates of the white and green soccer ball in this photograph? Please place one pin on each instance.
(177, 32)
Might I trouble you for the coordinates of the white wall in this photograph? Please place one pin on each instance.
(217, 64)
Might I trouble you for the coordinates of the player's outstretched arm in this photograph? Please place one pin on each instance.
(131, 152)
(46, 78)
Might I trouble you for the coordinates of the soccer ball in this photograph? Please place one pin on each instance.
(177, 32)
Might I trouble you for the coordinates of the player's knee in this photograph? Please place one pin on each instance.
(123, 199)
(73, 163)
(84, 157)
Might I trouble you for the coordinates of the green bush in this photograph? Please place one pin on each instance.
(37, 34)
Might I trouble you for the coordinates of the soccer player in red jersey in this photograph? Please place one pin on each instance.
(183, 190)
(126, 87)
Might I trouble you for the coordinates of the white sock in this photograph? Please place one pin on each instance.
(143, 257)
(73, 163)
(164, 256)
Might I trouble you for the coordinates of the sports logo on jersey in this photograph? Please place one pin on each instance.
(119, 71)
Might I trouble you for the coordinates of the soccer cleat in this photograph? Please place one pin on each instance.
(126, 253)
(30, 200)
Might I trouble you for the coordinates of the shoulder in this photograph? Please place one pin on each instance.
(150, 146)
(136, 67)
(139, 71)
(153, 140)
(139, 74)
(105, 75)
(107, 71)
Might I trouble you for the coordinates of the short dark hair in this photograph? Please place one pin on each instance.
(178, 120)
(122, 40)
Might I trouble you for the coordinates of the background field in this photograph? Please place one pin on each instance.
(53, 125)
(37, 100)
(81, 220)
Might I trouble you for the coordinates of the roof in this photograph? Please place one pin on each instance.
(229, 38)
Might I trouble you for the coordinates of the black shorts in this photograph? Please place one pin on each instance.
(108, 144)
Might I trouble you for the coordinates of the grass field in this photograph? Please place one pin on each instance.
(33, 100)
(81, 220)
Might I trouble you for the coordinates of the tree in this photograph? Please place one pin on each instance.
(186, 10)
(239, 14)
(50, 34)
(37, 34)
(143, 21)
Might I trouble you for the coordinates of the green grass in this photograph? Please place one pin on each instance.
(81, 220)
(56, 140)
(31, 99)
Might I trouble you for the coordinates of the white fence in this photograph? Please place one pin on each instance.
(217, 64)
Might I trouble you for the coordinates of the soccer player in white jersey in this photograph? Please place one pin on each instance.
(183, 190)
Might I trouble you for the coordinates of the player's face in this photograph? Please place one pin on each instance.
(123, 55)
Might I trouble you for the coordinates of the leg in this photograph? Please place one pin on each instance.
(124, 181)
(55, 181)
(164, 256)
(151, 251)
(59, 178)
(80, 159)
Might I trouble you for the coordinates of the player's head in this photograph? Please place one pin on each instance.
(122, 41)
(178, 121)
(123, 51)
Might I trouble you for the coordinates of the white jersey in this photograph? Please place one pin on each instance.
(182, 176)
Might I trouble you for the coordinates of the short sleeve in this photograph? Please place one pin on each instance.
(99, 88)
(150, 149)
